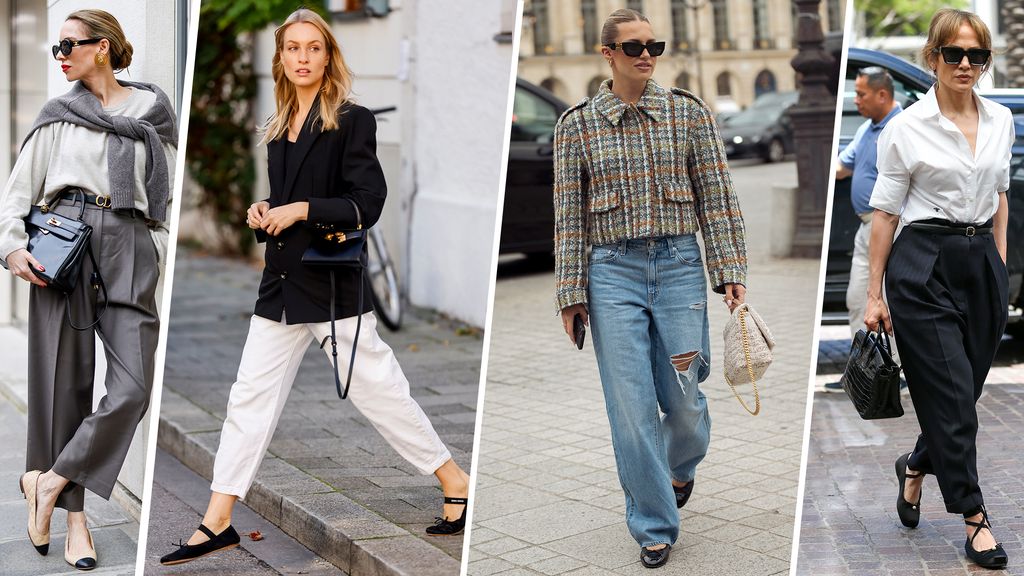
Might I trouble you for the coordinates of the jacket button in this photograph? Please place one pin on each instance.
(280, 245)
(284, 275)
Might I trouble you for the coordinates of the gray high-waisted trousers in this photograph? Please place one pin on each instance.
(64, 433)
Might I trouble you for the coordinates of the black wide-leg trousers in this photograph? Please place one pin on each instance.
(947, 298)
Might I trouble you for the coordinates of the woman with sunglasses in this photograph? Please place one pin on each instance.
(638, 170)
(324, 173)
(112, 144)
(943, 173)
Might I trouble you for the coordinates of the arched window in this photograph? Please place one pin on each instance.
(588, 8)
(724, 83)
(764, 83)
(556, 87)
(594, 85)
(683, 81)
(720, 12)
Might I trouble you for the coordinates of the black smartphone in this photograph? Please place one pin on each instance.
(579, 331)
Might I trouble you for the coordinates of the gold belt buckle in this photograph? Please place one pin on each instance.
(103, 201)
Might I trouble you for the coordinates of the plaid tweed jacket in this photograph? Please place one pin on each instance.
(657, 168)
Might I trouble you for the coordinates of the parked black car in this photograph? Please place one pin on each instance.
(528, 221)
(763, 130)
(910, 83)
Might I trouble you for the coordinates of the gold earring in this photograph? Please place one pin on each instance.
(101, 59)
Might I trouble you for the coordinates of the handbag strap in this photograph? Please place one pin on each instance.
(96, 281)
(355, 340)
(750, 370)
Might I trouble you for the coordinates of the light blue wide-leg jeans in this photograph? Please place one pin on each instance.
(648, 304)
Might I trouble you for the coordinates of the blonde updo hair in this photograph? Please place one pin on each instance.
(101, 24)
(945, 26)
(610, 30)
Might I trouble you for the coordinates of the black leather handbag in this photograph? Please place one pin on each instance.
(60, 244)
(333, 249)
(872, 377)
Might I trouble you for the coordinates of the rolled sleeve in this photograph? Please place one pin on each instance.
(1004, 177)
(570, 186)
(893, 181)
(716, 204)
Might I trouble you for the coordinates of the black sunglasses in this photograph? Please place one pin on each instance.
(955, 55)
(67, 44)
(634, 49)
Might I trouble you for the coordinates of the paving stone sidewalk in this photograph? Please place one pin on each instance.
(329, 480)
(850, 525)
(115, 534)
(548, 499)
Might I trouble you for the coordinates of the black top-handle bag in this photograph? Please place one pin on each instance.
(333, 249)
(872, 377)
(59, 244)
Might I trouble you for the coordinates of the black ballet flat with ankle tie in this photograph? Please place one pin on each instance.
(446, 527)
(994, 558)
(910, 514)
(187, 552)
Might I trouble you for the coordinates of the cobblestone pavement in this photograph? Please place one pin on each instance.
(849, 524)
(329, 480)
(114, 533)
(548, 500)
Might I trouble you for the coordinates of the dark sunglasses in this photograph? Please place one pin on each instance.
(67, 44)
(634, 49)
(955, 55)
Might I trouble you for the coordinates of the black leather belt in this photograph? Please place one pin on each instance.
(90, 199)
(952, 229)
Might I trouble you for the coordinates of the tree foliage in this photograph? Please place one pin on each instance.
(901, 17)
(221, 127)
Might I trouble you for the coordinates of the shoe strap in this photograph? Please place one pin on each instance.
(207, 531)
(978, 525)
(448, 500)
(910, 474)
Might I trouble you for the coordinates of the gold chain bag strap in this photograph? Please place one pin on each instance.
(748, 351)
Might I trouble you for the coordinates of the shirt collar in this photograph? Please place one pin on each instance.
(931, 104)
(652, 102)
(896, 109)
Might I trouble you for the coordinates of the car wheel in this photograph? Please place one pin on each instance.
(776, 151)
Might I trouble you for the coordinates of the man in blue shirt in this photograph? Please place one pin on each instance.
(874, 100)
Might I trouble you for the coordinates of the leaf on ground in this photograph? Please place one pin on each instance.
(255, 535)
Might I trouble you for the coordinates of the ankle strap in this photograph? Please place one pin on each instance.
(448, 500)
(207, 531)
(910, 474)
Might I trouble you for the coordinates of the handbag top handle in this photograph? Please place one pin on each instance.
(79, 196)
(883, 340)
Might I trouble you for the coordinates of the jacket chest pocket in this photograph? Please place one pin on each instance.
(676, 189)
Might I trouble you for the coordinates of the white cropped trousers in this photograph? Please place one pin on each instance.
(270, 360)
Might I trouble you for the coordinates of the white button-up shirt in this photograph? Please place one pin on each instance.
(926, 168)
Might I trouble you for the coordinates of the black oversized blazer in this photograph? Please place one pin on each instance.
(333, 166)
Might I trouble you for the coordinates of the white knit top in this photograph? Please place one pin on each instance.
(59, 155)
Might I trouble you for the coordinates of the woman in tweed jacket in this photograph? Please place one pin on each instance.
(638, 170)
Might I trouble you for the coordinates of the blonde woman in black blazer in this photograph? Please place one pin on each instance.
(323, 170)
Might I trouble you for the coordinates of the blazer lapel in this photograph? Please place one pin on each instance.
(307, 136)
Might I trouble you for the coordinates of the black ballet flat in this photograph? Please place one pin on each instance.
(226, 540)
(993, 558)
(910, 514)
(683, 493)
(446, 527)
(654, 558)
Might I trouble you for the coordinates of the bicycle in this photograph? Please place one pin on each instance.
(380, 269)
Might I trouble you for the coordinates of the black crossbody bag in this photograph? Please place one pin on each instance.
(333, 249)
(60, 244)
(872, 377)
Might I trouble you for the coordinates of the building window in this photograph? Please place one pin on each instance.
(594, 85)
(683, 81)
(541, 28)
(764, 83)
(762, 34)
(724, 83)
(589, 20)
(680, 26)
(637, 5)
(835, 18)
(721, 17)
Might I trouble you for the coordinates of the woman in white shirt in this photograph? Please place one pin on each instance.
(111, 145)
(943, 170)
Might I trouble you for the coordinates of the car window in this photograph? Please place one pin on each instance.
(533, 118)
(852, 119)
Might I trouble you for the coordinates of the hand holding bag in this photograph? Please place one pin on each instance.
(333, 249)
(748, 351)
(872, 377)
(59, 244)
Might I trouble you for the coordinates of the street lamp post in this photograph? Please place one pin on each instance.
(813, 125)
(696, 5)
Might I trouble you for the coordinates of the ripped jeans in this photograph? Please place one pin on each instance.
(648, 317)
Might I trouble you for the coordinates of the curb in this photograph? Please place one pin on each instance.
(343, 532)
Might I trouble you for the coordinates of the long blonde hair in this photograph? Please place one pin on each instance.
(334, 90)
